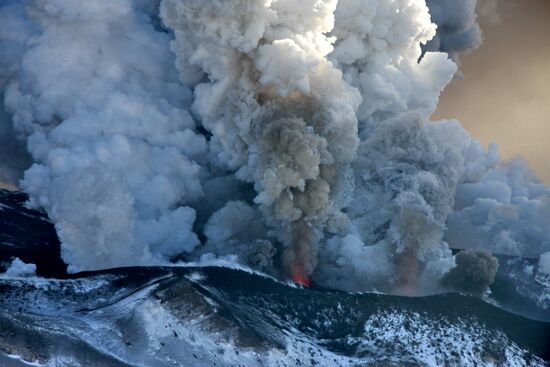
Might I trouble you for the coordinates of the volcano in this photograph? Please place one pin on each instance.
(205, 316)
(257, 183)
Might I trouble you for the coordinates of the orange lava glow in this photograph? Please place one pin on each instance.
(300, 278)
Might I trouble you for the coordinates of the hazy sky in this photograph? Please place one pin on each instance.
(505, 94)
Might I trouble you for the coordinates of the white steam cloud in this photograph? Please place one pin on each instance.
(19, 269)
(107, 124)
(290, 135)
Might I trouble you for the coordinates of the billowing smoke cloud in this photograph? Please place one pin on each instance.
(19, 269)
(15, 29)
(269, 132)
(107, 125)
(457, 28)
(400, 201)
(474, 272)
(409, 172)
(502, 208)
(14, 158)
(280, 114)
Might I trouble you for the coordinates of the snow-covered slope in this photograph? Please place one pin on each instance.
(190, 316)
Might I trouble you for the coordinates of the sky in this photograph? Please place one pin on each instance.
(504, 96)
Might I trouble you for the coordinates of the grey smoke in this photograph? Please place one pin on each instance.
(259, 130)
(291, 170)
(14, 157)
(457, 27)
(280, 114)
(260, 255)
(474, 272)
(15, 29)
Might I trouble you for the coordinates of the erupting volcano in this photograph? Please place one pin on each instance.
(195, 157)
(300, 277)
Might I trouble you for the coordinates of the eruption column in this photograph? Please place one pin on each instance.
(281, 116)
(306, 117)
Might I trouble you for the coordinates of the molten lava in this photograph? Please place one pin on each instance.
(299, 277)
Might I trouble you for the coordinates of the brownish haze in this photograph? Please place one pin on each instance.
(505, 94)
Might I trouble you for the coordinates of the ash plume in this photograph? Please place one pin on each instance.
(474, 272)
(266, 132)
(280, 115)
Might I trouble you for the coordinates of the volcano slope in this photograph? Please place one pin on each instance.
(204, 316)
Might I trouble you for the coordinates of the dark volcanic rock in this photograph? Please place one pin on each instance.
(211, 316)
(29, 235)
